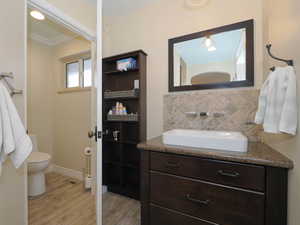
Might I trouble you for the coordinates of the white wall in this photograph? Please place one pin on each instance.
(151, 27)
(284, 33)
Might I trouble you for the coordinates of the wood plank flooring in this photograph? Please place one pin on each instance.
(66, 203)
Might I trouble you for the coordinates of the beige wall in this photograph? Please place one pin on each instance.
(87, 17)
(284, 33)
(40, 100)
(13, 183)
(60, 120)
(150, 28)
(72, 114)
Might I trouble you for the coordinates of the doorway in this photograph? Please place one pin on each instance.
(61, 110)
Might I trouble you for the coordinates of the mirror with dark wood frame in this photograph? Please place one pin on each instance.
(222, 57)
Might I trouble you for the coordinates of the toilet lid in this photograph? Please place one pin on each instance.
(36, 157)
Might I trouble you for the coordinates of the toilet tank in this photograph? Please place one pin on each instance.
(34, 142)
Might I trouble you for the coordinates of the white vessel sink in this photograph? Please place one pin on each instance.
(218, 140)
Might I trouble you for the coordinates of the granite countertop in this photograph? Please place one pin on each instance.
(258, 153)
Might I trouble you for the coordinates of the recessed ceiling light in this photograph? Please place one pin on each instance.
(37, 15)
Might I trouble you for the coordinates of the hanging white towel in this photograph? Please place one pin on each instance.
(14, 141)
(277, 108)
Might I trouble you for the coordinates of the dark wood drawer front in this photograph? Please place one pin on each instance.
(161, 216)
(233, 174)
(207, 201)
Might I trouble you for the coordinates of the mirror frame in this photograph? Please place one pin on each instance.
(248, 25)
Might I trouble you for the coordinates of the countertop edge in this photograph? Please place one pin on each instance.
(281, 161)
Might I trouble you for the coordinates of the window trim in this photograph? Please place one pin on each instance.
(83, 59)
(80, 57)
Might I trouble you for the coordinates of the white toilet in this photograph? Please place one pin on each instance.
(38, 162)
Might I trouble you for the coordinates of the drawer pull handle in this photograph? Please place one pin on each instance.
(234, 174)
(172, 165)
(202, 202)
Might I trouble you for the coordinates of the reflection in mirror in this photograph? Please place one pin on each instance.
(216, 58)
(212, 59)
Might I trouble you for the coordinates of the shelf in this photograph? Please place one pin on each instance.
(115, 72)
(122, 142)
(127, 118)
(121, 98)
(131, 166)
(120, 121)
(119, 164)
(128, 94)
(113, 163)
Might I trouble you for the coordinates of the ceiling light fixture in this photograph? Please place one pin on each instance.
(209, 44)
(212, 48)
(37, 15)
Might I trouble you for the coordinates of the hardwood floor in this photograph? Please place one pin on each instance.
(66, 203)
(119, 210)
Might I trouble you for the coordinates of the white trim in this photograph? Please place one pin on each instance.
(26, 222)
(60, 17)
(66, 172)
(98, 85)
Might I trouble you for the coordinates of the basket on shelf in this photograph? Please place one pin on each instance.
(121, 94)
(128, 117)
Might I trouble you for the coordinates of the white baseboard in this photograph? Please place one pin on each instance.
(65, 171)
(70, 173)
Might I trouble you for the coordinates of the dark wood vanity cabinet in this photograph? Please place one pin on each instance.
(188, 190)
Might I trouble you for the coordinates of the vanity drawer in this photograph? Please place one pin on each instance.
(228, 173)
(207, 201)
(162, 216)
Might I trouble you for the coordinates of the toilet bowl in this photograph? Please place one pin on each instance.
(38, 162)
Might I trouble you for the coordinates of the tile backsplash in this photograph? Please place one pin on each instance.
(237, 105)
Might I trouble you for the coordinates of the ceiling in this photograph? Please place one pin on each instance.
(48, 32)
(121, 7)
(194, 52)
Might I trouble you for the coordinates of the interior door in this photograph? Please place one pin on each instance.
(97, 114)
(96, 127)
(13, 183)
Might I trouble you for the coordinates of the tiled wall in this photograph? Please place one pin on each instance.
(238, 105)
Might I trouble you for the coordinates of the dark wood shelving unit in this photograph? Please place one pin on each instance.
(121, 158)
(114, 72)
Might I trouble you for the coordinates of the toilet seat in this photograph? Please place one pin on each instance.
(37, 157)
